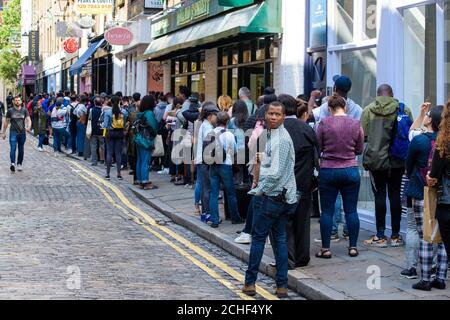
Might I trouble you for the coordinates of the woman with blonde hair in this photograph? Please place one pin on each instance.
(440, 176)
(225, 104)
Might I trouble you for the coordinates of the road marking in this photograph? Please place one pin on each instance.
(182, 252)
(261, 291)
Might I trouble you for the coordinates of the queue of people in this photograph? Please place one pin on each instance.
(273, 157)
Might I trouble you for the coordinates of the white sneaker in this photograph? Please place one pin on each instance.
(244, 238)
(69, 151)
(19, 167)
(163, 171)
(56, 153)
(40, 149)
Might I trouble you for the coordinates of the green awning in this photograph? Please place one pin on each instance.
(262, 18)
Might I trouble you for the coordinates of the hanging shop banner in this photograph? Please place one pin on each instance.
(71, 45)
(86, 22)
(33, 46)
(119, 36)
(235, 3)
(68, 29)
(90, 7)
(318, 23)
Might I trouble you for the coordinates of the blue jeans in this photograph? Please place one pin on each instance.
(249, 220)
(14, 140)
(198, 187)
(269, 216)
(143, 165)
(338, 217)
(58, 135)
(81, 133)
(41, 140)
(347, 182)
(206, 188)
(224, 173)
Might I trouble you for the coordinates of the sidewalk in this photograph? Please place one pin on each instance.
(339, 278)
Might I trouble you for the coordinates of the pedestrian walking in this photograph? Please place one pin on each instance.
(20, 121)
(40, 125)
(275, 197)
(114, 124)
(381, 125)
(339, 172)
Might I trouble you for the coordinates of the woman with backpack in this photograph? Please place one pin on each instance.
(418, 163)
(114, 124)
(440, 176)
(236, 125)
(145, 133)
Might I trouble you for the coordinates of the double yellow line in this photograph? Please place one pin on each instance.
(158, 231)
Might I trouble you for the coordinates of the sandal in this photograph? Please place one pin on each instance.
(150, 187)
(324, 254)
(353, 252)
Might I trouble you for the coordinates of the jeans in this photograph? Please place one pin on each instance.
(443, 217)
(338, 217)
(224, 173)
(346, 181)
(269, 216)
(198, 187)
(249, 220)
(73, 128)
(206, 188)
(81, 133)
(412, 241)
(392, 180)
(143, 165)
(41, 140)
(114, 146)
(97, 143)
(58, 135)
(298, 233)
(17, 139)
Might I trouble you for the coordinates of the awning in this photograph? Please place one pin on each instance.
(28, 75)
(77, 67)
(259, 19)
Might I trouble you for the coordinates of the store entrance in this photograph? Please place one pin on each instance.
(253, 78)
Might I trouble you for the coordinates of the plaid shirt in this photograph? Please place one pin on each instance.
(277, 167)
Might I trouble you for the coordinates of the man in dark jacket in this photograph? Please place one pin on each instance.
(298, 227)
(97, 140)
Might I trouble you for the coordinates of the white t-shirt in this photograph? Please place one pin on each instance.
(229, 144)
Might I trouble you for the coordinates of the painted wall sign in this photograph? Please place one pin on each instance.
(71, 45)
(119, 36)
(318, 23)
(90, 7)
(192, 12)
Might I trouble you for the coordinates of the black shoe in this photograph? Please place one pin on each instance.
(438, 284)
(108, 177)
(214, 225)
(409, 273)
(119, 178)
(180, 183)
(80, 154)
(240, 221)
(12, 168)
(422, 285)
(131, 173)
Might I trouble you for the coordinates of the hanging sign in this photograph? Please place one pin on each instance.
(90, 7)
(71, 45)
(86, 22)
(119, 36)
(33, 46)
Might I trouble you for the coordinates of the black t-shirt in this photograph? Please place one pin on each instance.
(17, 119)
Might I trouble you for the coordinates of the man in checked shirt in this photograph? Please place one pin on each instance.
(275, 192)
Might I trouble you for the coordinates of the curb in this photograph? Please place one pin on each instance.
(305, 285)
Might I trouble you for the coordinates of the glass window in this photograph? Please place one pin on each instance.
(181, 81)
(234, 83)
(235, 56)
(420, 56)
(261, 49)
(370, 23)
(344, 22)
(361, 67)
(224, 79)
(247, 52)
(198, 83)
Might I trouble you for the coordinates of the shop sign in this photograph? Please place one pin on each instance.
(90, 7)
(86, 22)
(119, 36)
(33, 46)
(71, 45)
(154, 4)
(318, 23)
(66, 29)
(192, 12)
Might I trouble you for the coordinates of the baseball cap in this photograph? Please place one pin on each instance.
(194, 97)
(210, 108)
(342, 83)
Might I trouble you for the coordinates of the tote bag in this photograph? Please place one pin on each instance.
(431, 232)
(159, 147)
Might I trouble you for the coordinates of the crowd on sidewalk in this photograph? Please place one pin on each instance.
(277, 160)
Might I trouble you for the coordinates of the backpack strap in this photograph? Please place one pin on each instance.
(402, 108)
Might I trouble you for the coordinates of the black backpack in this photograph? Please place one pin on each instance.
(140, 126)
(73, 116)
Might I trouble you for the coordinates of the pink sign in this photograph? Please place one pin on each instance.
(119, 36)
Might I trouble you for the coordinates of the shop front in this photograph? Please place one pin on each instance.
(28, 80)
(357, 39)
(215, 46)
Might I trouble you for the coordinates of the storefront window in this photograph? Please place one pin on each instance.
(344, 25)
(361, 67)
(420, 56)
(189, 71)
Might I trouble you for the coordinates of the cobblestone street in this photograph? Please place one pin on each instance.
(61, 238)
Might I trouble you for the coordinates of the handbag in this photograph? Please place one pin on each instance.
(431, 232)
(89, 128)
(159, 147)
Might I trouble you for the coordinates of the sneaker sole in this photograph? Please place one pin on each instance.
(376, 245)
(409, 277)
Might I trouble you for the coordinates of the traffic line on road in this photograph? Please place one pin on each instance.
(224, 267)
(170, 243)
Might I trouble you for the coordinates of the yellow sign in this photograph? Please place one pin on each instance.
(90, 7)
